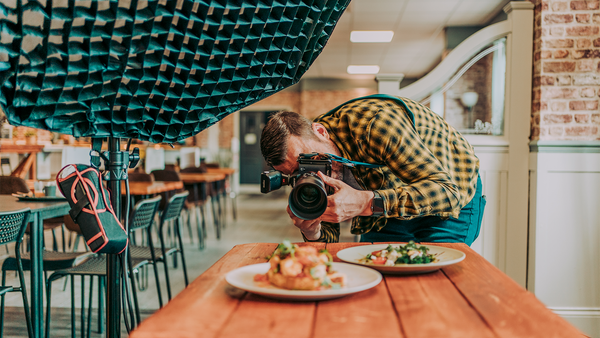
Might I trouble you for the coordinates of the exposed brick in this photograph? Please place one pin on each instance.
(582, 18)
(563, 80)
(557, 31)
(582, 118)
(558, 43)
(559, 66)
(535, 133)
(582, 30)
(560, 6)
(543, 106)
(586, 79)
(544, 31)
(586, 65)
(559, 93)
(537, 56)
(587, 92)
(596, 18)
(581, 130)
(547, 80)
(583, 105)
(560, 53)
(582, 5)
(543, 131)
(536, 119)
(597, 42)
(536, 93)
(558, 106)
(557, 118)
(544, 6)
(584, 43)
(556, 131)
(558, 18)
(596, 118)
(586, 53)
(537, 33)
(546, 54)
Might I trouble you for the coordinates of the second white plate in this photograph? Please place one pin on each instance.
(358, 279)
(446, 256)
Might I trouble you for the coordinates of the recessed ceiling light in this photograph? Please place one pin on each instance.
(363, 69)
(371, 36)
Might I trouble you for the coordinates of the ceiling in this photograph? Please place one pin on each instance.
(419, 37)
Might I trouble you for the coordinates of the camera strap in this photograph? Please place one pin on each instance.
(351, 163)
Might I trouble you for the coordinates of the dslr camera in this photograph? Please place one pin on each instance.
(308, 199)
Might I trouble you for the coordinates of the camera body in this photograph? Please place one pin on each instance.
(308, 199)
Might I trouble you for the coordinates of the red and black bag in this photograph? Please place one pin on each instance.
(91, 209)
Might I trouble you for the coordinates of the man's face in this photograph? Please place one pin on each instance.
(296, 146)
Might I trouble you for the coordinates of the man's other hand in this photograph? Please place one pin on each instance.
(311, 229)
(345, 202)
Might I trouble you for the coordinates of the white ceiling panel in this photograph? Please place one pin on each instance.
(418, 42)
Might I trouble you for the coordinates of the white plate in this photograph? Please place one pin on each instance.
(446, 256)
(358, 279)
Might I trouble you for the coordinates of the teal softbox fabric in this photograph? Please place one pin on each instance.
(160, 71)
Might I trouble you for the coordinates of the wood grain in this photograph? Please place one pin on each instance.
(506, 307)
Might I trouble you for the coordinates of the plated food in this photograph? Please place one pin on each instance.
(410, 263)
(411, 253)
(294, 267)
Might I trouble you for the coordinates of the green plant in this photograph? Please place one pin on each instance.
(30, 133)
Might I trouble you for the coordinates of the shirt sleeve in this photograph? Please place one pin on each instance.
(330, 233)
(429, 190)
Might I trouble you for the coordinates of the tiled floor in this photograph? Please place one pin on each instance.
(261, 218)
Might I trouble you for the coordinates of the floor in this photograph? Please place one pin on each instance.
(260, 218)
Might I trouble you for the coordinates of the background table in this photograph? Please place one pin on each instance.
(468, 299)
(39, 212)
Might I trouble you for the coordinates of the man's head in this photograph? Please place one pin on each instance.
(286, 135)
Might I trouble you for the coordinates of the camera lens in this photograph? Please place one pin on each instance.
(308, 199)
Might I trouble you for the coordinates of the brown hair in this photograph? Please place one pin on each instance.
(273, 141)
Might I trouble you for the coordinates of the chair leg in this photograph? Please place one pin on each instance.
(183, 266)
(100, 304)
(134, 291)
(73, 328)
(189, 225)
(25, 301)
(48, 307)
(82, 306)
(200, 228)
(2, 306)
(89, 318)
(233, 197)
(164, 261)
(216, 219)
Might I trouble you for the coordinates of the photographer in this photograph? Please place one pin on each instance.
(427, 188)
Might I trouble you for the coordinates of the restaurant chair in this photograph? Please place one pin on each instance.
(142, 217)
(172, 212)
(12, 229)
(197, 198)
(169, 176)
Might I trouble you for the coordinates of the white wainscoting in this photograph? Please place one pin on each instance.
(493, 170)
(564, 230)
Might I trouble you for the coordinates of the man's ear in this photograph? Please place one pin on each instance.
(320, 131)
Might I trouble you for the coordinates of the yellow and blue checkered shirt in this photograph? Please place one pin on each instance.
(429, 168)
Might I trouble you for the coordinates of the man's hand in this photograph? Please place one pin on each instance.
(311, 229)
(345, 202)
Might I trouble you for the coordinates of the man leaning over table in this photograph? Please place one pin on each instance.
(427, 188)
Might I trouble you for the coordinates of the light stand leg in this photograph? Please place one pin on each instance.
(117, 171)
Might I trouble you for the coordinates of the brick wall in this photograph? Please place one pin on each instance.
(566, 73)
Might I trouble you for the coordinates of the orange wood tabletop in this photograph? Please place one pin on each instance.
(151, 188)
(468, 299)
(226, 171)
(201, 177)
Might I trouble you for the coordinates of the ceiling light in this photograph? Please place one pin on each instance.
(371, 36)
(363, 69)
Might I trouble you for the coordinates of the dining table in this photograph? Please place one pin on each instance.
(140, 188)
(471, 298)
(40, 210)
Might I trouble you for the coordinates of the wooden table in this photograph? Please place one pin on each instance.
(39, 212)
(151, 188)
(468, 299)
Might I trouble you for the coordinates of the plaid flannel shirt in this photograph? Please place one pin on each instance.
(429, 168)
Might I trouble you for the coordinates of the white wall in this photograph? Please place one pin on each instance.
(564, 230)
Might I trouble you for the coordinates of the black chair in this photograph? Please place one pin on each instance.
(141, 218)
(12, 229)
(198, 195)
